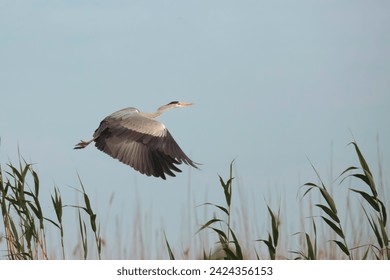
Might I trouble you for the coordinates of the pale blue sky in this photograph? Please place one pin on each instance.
(273, 82)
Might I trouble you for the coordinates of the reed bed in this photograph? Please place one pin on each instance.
(328, 233)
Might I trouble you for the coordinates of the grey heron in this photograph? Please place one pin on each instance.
(136, 139)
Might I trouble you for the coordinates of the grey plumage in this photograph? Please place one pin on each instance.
(136, 139)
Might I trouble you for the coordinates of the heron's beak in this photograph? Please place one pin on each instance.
(185, 104)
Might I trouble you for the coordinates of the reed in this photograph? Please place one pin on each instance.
(24, 227)
(24, 223)
(222, 226)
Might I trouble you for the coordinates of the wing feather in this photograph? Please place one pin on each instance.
(140, 142)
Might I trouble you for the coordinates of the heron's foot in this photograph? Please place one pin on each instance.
(82, 144)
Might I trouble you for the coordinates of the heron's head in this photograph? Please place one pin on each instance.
(175, 104)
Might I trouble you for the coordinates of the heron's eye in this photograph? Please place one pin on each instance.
(174, 102)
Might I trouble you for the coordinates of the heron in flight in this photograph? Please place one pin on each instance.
(136, 139)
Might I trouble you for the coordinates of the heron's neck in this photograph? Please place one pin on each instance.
(158, 113)
(151, 115)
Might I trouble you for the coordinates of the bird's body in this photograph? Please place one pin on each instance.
(136, 139)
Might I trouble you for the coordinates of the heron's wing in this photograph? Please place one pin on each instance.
(143, 143)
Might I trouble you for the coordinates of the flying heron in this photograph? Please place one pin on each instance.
(136, 139)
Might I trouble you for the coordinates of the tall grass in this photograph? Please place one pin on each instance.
(25, 225)
(273, 236)
(373, 208)
(331, 217)
(223, 229)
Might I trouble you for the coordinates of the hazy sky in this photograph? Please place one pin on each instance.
(273, 82)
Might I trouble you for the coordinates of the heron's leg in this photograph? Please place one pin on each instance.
(83, 144)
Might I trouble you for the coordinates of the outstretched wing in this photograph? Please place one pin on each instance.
(143, 143)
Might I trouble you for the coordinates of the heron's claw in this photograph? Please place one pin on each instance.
(81, 145)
